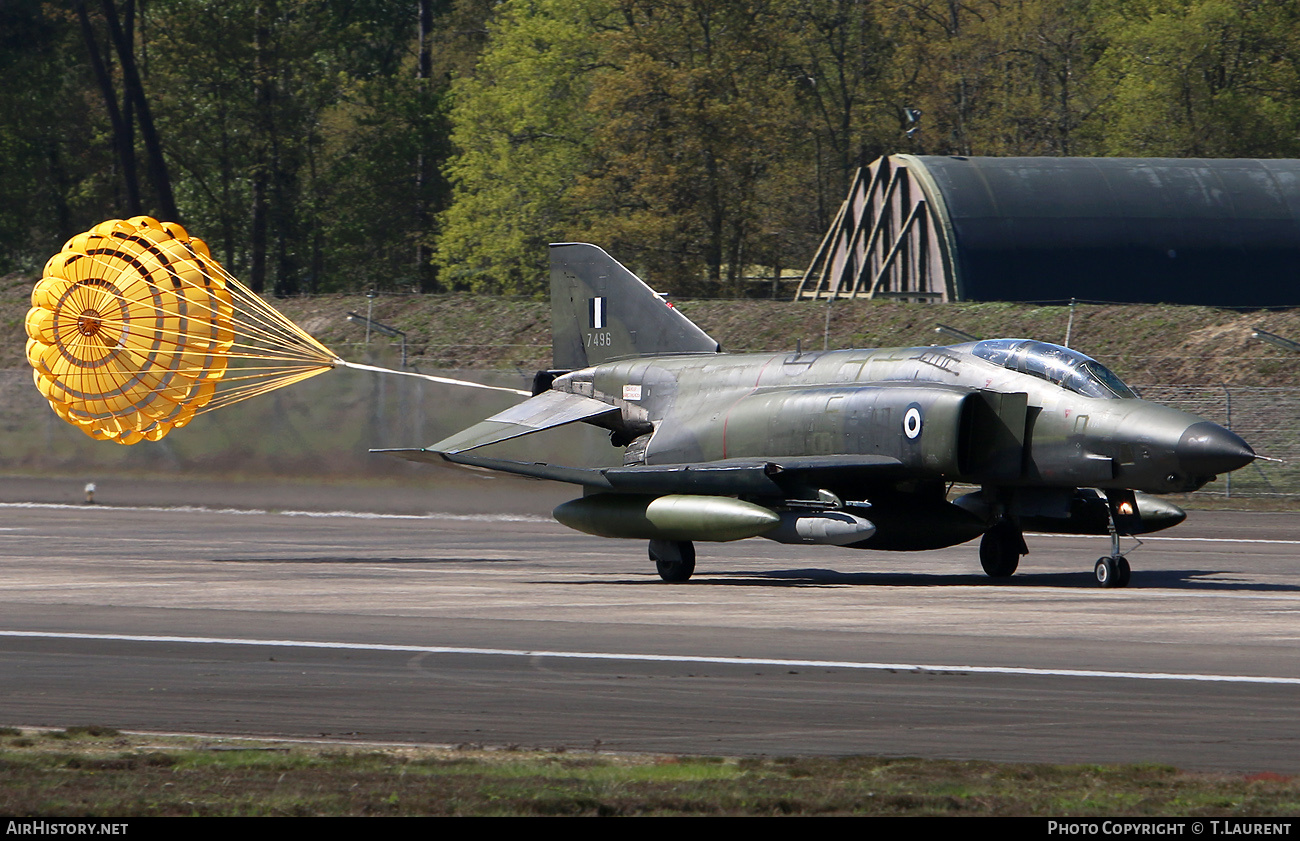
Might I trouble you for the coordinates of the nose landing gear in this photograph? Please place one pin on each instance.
(1114, 571)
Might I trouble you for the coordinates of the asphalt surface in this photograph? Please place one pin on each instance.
(507, 629)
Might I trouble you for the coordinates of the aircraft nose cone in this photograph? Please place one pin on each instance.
(1208, 449)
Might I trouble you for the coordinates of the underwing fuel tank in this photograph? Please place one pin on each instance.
(671, 517)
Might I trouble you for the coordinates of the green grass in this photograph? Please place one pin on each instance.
(97, 772)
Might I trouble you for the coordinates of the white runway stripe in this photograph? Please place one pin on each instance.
(1146, 539)
(356, 515)
(513, 518)
(661, 658)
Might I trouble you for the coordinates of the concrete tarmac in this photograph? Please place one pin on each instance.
(337, 618)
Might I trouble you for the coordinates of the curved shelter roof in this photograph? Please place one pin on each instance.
(1222, 232)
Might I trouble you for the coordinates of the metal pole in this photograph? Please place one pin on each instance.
(381, 328)
(370, 309)
(826, 334)
(1069, 325)
(1228, 398)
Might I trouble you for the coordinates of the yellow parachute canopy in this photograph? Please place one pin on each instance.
(134, 327)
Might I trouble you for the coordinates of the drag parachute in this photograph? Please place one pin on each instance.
(134, 329)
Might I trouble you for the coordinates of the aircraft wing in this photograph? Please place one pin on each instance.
(545, 411)
(731, 476)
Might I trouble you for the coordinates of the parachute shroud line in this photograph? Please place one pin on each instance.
(135, 329)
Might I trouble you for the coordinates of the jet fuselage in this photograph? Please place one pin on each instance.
(945, 413)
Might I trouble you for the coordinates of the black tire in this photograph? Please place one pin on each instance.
(1106, 572)
(1123, 572)
(1000, 550)
(674, 560)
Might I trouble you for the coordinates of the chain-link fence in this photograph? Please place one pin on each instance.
(1269, 420)
(327, 424)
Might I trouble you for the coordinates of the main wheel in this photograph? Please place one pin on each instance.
(674, 559)
(1000, 550)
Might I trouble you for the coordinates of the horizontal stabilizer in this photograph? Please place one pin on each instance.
(589, 476)
(545, 411)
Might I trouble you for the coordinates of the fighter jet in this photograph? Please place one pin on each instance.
(852, 448)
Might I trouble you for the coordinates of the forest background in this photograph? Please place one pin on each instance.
(438, 145)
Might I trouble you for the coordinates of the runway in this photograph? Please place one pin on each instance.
(511, 630)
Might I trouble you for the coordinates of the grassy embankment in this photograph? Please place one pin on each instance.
(99, 772)
(1147, 344)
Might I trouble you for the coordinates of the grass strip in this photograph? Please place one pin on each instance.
(98, 772)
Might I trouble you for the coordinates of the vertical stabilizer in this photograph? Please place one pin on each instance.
(600, 312)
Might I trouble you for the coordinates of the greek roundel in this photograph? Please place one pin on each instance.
(912, 421)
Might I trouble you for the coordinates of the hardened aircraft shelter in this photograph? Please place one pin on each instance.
(1220, 232)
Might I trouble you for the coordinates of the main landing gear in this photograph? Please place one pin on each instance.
(674, 559)
(1001, 548)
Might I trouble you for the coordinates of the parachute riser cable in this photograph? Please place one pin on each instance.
(430, 377)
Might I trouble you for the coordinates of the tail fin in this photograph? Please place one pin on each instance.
(601, 312)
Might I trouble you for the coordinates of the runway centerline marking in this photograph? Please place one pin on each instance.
(501, 518)
(659, 658)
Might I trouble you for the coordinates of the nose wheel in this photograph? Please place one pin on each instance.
(1112, 571)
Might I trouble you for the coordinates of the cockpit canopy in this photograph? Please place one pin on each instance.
(1060, 365)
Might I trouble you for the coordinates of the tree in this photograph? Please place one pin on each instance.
(1203, 78)
(55, 175)
(523, 135)
(309, 144)
(998, 77)
(842, 56)
(694, 122)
